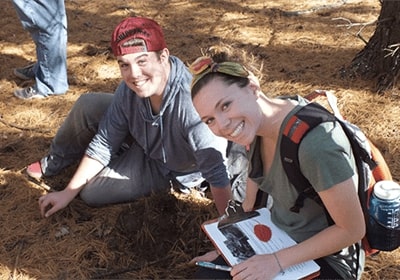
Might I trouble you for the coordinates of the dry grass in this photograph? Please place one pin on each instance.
(301, 53)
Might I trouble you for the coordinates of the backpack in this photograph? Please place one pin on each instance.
(370, 163)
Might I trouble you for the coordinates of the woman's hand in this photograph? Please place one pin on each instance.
(262, 267)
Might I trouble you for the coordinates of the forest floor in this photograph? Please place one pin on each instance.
(305, 45)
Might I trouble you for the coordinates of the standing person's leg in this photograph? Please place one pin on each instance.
(46, 21)
(74, 135)
(130, 176)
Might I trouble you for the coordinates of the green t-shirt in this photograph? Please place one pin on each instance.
(326, 159)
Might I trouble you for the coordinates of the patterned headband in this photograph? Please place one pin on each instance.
(204, 65)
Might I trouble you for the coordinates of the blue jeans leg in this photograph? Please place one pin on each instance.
(46, 21)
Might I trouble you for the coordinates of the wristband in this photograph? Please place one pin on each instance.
(280, 266)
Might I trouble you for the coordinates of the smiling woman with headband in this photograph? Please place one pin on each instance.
(229, 100)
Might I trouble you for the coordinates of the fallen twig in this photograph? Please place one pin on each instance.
(40, 184)
(313, 9)
(21, 244)
(392, 49)
(350, 24)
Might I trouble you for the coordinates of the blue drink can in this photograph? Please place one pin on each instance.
(385, 204)
(383, 230)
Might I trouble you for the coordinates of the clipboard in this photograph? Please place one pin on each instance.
(234, 213)
(234, 236)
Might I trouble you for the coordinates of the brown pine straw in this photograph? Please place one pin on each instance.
(100, 243)
(157, 236)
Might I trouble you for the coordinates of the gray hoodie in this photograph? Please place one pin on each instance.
(176, 137)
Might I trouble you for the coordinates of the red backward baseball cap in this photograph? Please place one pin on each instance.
(137, 34)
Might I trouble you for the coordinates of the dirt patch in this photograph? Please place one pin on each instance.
(304, 46)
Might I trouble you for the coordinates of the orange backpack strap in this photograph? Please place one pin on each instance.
(382, 171)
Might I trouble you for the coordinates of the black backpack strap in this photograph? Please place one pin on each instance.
(297, 127)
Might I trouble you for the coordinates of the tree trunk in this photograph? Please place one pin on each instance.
(380, 58)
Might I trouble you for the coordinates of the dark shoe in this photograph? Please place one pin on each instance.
(34, 170)
(28, 93)
(25, 73)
